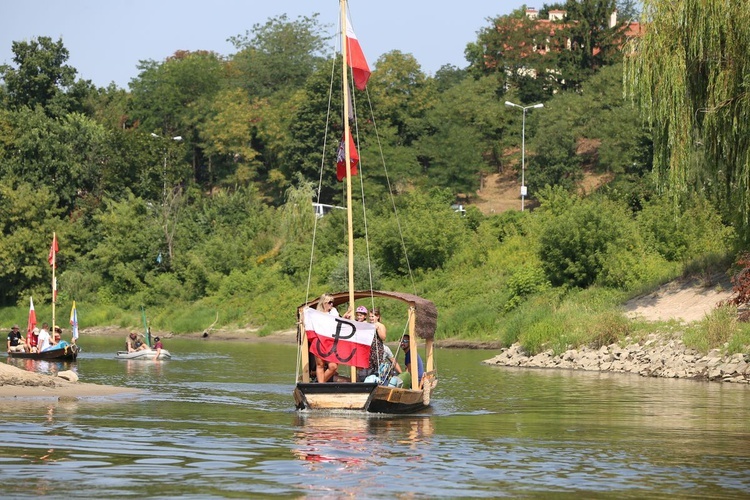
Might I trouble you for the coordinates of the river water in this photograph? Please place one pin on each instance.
(218, 421)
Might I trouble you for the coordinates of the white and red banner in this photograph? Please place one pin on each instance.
(356, 59)
(339, 340)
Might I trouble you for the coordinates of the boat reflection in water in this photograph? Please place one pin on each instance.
(358, 440)
(42, 366)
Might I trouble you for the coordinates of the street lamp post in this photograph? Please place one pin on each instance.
(523, 146)
(176, 138)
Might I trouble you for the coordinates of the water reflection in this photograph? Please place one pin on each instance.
(218, 423)
(356, 439)
(42, 366)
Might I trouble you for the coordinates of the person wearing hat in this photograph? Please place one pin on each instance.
(16, 342)
(31, 340)
(361, 314)
(133, 343)
(158, 346)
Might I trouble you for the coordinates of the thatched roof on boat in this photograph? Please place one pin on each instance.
(426, 312)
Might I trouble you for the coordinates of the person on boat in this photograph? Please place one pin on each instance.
(31, 340)
(406, 375)
(43, 341)
(361, 314)
(325, 370)
(57, 341)
(133, 343)
(376, 349)
(325, 304)
(388, 370)
(158, 346)
(16, 342)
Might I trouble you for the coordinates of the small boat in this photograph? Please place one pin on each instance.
(346, 342)
(144, 354)
(63, 351)
(68, 352)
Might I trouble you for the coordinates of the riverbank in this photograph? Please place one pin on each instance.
(656, 356)
(17, 383)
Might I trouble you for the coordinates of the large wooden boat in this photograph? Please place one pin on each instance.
(66, 353)
(344, 392)
(372, 397)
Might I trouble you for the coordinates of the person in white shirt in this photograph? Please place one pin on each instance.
(44, 341)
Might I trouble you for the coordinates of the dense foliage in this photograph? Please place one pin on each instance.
(190, 193)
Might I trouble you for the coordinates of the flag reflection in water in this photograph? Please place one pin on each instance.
(353, 440)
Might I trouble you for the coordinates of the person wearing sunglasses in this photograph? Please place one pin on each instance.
(325, 370)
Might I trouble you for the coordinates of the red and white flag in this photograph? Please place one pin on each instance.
(339, 340)
(32, 317)
(355, 58)
(341, 159)
(51, 257)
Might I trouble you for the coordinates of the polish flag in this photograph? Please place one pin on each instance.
(355, 58)
(339, 340)
(32, 318)
(341, 159)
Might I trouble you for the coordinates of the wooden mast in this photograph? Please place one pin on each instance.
(347, 160)
(53, 253)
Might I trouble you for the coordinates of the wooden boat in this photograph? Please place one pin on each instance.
(146, 354)
(371, 397)
(67, 353)
(346, 393)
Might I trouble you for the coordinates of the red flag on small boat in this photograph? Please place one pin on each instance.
(32, 317)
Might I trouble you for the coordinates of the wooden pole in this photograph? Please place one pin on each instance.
(54, 282)
(347, 160)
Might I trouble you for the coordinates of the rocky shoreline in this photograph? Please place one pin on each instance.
(655, 356)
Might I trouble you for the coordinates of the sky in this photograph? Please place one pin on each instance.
(107, 38)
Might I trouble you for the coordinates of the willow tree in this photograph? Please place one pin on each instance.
(690, 74)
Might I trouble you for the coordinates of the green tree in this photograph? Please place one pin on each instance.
(40, 75)
(29, 217)
(464, 127)
(514, 49)
(688, 74)
(278, 55)
(575, 246)
(588, 40)
(174, 98)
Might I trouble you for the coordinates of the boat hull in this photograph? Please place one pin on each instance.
(370, 398)
(143, 355)
(69, 353)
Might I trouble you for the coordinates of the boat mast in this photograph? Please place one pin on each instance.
(347, 160)
(54, 283)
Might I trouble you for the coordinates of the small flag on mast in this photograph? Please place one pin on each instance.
(74, 321)
(51, 258)
(355, 58)
(32, 317)
(341, 159)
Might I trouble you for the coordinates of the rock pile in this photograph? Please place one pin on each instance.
(655, 357)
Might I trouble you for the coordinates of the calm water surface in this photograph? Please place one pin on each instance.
(218, 421)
